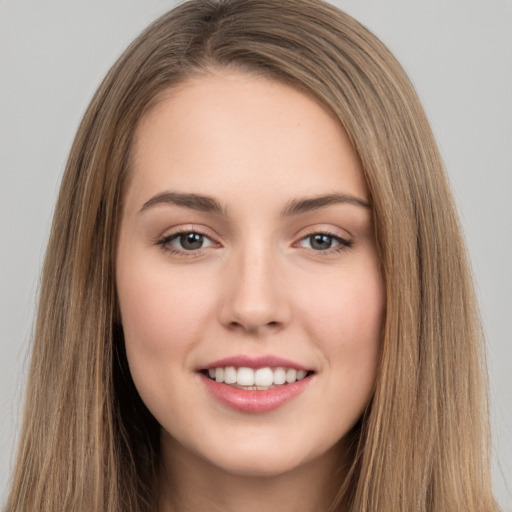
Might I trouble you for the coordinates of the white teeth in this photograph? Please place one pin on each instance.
(291, 375)
(245, 376)
(279, 376)
(230, 375)
(261, 377)
(264, 377)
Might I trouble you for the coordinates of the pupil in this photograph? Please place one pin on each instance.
(321, 242)
(191, 241)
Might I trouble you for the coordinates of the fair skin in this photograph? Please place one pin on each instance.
(255, 274)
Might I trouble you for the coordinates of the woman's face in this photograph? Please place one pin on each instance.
(247, 275)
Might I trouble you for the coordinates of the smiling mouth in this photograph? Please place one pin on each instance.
(259, 379)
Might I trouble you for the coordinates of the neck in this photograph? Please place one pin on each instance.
(189, 483)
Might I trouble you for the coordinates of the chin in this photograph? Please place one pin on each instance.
(257, 466)
(269, 458)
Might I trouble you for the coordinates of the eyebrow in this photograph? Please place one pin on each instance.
(298, 206)
(209, 204)
(192, 201)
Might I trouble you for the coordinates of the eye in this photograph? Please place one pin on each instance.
(324, 242)
(185, 241)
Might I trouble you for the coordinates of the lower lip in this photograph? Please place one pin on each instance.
(254, 401)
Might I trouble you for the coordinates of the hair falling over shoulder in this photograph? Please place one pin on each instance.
(89, 444)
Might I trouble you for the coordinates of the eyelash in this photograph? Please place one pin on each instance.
(343, 243)
(164, 243)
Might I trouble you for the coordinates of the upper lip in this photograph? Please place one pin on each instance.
(255, 362)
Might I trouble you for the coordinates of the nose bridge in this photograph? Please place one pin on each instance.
(255, 297)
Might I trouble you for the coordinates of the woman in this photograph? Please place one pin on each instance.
(132, 386)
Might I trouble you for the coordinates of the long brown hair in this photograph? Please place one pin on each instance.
(89, 444)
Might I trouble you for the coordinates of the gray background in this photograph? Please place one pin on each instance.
(53, 54)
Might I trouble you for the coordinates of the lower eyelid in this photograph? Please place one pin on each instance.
(342, 242)
(165, 242)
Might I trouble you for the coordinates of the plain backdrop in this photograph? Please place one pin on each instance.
(458, 53)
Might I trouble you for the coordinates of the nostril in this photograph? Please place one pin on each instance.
(248, 326)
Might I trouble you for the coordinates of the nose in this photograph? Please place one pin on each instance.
(254, 293)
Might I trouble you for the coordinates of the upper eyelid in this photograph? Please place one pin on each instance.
(346, 242)
(301, 234)
(188, 228)
(314, 229)
(165, 243)
(176, 234)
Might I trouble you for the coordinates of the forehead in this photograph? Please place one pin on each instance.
(240, 131)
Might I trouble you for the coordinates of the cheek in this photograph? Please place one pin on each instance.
(350, 309)
(162, 318)
(346, 322)
(149, 310)
(156, 305)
